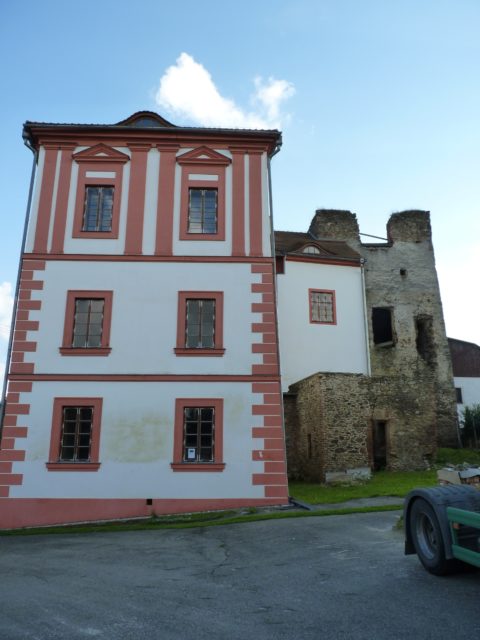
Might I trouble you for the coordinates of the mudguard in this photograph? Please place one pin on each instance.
(439, 498)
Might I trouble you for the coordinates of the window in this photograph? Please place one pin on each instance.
(200, 323)
(98, 192)
(87, 323)
(311, 249)
(198, 434)
(424, 339)
(458, 394)
(198, 437)
(202, 210)
(97, 215)
(322, 306)
(75, 437)
(202, 197)
(382, 326)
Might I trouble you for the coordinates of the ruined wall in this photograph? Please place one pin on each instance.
(332, 429)
(400, 276)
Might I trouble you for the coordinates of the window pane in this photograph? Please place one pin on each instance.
(84, 440)
(69, 413)
(68, 439)
(190, 413)
(202, 211)
(88, 323)
(206, 455)
(83, 453)
(191, 441)
(97, 305)
(76, 433)
(67, 453)
(207, 414)
(198, 434)
(98, 209)
(85, 416)
(321, 304)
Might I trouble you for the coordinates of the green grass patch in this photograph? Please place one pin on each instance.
(213, 519)
(382, 483)
(457, 456)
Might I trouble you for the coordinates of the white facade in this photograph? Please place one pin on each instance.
(144, 375)
(144, 316)
(136, 444)
(470, 389)
(307, 348)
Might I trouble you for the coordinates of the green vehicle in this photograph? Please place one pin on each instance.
(442, 526)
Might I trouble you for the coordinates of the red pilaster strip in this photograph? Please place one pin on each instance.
(166, 189)
(238, 203)
(60, 222)
(45, 202)
(136, 199)
(256, 213)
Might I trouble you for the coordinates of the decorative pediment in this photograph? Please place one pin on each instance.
(100, 153)
(142, 119)
(203, 156)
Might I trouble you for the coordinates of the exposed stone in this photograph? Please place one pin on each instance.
(410, 390)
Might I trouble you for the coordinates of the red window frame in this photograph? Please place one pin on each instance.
(82, 184)
(188, 184)
(54, 464)
(334, 306)
(178, 463)
(66, 349)
(217, 349)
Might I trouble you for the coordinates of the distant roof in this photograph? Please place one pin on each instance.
(145, 121)
(288, 242)
(465, 358)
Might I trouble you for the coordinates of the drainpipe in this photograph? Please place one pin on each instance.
(364, 296)
(275, 294)
(17, 286)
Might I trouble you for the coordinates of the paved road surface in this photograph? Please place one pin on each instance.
(336, 577)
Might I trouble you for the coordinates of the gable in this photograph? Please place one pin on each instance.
(149, 119)
(203, 156)
(100, 153)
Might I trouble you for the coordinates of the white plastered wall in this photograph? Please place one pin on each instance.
(307, 348)
(32, 223)
(136, 443)
(144, 316)
(470, 393)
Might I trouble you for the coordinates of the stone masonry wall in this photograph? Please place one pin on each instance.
(336, 412)
(401, 275)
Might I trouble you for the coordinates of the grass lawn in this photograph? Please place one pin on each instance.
(383, 483)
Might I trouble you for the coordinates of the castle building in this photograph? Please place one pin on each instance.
(144, 372)
(364, 353)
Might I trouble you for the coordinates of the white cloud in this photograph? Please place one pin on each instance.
(6, 306)
(188, 91)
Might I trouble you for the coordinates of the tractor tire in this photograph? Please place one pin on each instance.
(428, 540)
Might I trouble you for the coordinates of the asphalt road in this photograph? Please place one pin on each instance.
(311, 578)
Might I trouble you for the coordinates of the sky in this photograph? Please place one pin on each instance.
(378, 102)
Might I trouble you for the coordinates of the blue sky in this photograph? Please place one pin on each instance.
(378, 101)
